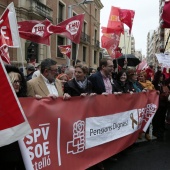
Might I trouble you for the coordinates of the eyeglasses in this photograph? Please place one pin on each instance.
(17, 81)
(110, 66)
(54, 70)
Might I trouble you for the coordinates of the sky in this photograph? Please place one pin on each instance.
(146, 18)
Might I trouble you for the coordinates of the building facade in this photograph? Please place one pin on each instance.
(127, 43)
(57, 11)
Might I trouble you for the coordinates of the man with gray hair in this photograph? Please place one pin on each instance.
(46, 84)
(70, 72)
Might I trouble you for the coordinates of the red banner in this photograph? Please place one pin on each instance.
(77, 133)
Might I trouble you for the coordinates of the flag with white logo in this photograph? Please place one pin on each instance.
(9, 30)
(13, 122)
(65, 49)
(35, 31)
(71, 28)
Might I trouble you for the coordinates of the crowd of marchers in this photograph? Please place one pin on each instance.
(50, 80)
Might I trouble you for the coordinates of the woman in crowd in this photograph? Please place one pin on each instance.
(120, 84)
(159, 118)
(10, 155)
(63, 78)
(149, 86)
(79, 85)
(134, 85)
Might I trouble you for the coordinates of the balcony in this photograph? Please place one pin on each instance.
(97, 43)
(85, 38)
(39, 10)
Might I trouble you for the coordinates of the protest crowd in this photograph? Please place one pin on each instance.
(49, 82)
(53, 81)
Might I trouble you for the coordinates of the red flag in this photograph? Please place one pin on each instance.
(166, 15)
(9, 30)
(127, 16)
(111, 30)
(143, 65)
(4, 54)
(13, 123)
(108, 40)
(35, 31)
(65, 49)
(113, 52)
(114, 20)
(71, 28)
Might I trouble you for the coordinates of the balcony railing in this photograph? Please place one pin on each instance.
(85, 38)
(96, 43)
(38, 8)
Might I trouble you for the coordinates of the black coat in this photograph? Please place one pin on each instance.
(73, 89)
(120, 87)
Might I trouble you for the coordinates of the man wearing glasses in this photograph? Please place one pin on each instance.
(101, 79)
(46, 84)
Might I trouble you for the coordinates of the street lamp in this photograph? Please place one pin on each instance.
(70, 15)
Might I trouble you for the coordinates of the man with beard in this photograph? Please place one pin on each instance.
(46, 84)
(101, 80)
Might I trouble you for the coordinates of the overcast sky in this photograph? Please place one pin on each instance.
(146, 18)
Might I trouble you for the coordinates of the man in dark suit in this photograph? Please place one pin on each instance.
(101, 79)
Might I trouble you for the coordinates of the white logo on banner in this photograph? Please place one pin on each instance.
(38, 29)
(73, 27)
(77, 145)
(41, 149)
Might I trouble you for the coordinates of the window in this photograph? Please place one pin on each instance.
(95, 57)
(95, 36)
(84, 27)
(74, 14)
(74, 51)
(95, 13)
(31, 52)
(84, 53)
(60, 41)
(60, 12)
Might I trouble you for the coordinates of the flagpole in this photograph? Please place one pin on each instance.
(77, 51)
(49, 50)
(68, 40)
(125, 47)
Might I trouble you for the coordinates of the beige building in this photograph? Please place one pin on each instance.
(127, 43)
(57, 11)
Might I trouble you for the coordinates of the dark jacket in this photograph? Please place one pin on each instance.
(120, 87)
(97, 83)
(73, 89)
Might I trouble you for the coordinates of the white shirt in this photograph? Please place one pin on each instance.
(36, 74)
(51, 86)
